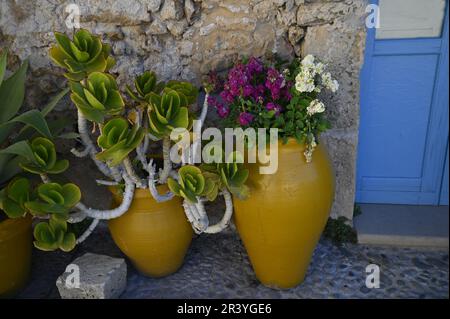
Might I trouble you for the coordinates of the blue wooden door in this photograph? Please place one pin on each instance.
(404, 120)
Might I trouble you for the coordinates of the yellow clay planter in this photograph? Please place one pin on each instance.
(155, 236)
(15, 255)
(282, 220)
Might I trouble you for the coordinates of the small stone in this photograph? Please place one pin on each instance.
(176, 28)
(153, 5)
(207, 29)
(157, 27)
(172, 10)
(295, 34)
(189, 9)
(93, 276)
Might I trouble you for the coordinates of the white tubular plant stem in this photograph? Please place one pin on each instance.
(88, 231)
(226, 216)
(132, 174)
(165, 172)
(76, 217)
(116, 212)
(198, 224)
(84, 134)
(45, 179)
(80, 154)
(197, 216)
(152, 185)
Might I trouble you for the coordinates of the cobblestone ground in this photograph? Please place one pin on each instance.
(217, 266)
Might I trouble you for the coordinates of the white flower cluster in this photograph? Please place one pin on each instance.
(305, 81)
(315, 107)
(310, 149)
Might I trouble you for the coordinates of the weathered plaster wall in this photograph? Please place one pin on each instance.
(187, 38)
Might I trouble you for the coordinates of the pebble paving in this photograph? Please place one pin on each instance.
(217, 266)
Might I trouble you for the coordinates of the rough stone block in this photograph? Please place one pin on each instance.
(93, 276)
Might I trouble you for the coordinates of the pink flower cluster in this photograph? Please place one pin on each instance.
(253, 82)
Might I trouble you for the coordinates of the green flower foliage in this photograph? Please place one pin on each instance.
(54, 198)
(167, 111)
(44, 159)
(192, 183)
(82, 56)
(14, 197)
(98, 97)
(145, 84)
(53, 235)
(233, 175)
(185, 88)
(118, 140)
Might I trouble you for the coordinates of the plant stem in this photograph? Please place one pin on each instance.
(164, 174)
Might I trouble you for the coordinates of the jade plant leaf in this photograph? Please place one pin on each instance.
(117, 140)
(167, 111)
(44, 158)
(14, 197)
(12, 92)
(232, 174)
(187, 89)
(98, 97)
(145, 84)
(82, 55)
(54, 198)
(53, 235)
(192, 183)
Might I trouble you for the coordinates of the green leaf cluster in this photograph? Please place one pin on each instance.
(117, 140)
(81, 56)
(98, 97)
(192, 182)
(54, 234)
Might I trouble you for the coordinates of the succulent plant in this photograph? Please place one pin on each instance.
(117, 140)
(167, 111)
(44, 159)
(98, 97)
(53, 234)
(54, 198)
(82, 56)
(14, 197)
(192, 183)
(232, 174)
(185, 88)
(145, 84)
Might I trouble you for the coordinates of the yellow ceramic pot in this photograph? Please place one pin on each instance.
(282, 220)
(15, 255)
(155, 236)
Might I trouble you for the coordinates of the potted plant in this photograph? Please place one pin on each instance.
(280, 224)
(148, 223)
(21, 197)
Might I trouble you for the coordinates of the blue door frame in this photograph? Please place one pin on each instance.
(402, 156)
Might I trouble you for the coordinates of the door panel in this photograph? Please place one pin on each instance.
(404, 119)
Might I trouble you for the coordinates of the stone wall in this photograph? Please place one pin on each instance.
(185, 39)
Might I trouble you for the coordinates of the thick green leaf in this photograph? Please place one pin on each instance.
(12, 92)
(3, 60)
(5, 129)
(68, 242)
(10, 167)
(21, 148)
(35, 119)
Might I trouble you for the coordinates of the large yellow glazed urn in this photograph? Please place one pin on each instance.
(16, 243)
(282, 220)
(155, 236)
